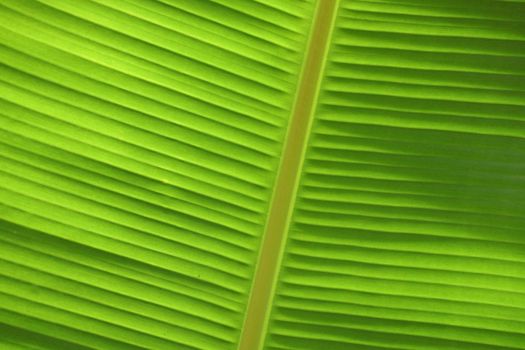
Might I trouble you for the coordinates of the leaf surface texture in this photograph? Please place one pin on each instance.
(141, 142)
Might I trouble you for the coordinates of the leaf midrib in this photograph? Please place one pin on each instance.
(286, 185)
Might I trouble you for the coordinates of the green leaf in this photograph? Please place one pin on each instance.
(408, 230)
(235, 174)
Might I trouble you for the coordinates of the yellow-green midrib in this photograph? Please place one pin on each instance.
(268, 265)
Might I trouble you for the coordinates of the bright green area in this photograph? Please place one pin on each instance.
(139, 146)
(139, 142)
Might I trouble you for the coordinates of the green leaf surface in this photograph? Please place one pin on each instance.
(408, 230)
(347, 173)
(139, 147)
